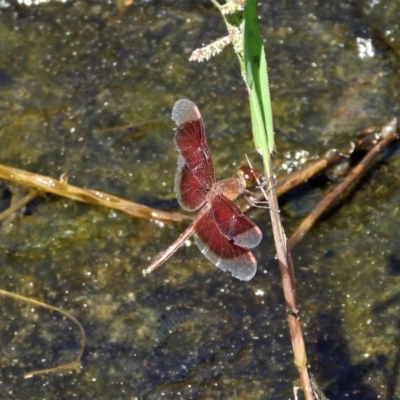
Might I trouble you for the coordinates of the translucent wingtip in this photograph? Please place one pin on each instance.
(185, 111)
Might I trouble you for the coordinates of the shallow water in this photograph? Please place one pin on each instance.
(89, 90)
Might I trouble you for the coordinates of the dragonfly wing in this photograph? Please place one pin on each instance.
(189, 191)
(233, 224)
(190, 139)
(223, 253)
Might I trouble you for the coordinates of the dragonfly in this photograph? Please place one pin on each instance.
(221, 231)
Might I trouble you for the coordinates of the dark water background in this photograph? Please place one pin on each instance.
(72, 76)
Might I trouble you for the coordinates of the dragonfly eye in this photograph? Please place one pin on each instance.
(248, 175)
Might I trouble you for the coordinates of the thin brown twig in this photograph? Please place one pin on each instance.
(46, 184)
(290, 181)
(132, 126)
(19, 204)
(287, 280)
(354, 174)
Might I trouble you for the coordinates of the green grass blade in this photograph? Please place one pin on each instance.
(257, 80)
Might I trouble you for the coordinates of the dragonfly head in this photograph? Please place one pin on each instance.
(247, 176)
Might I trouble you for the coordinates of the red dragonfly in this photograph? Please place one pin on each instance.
(221, 231)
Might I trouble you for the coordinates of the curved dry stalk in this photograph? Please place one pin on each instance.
(338, 191)
(60, 188)
(76, 364)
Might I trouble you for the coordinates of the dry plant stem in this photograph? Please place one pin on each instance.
(354, 174)
(292, 180)
(46, 184)
(19, 204)
(76, 364)
(132, 126)
(298, 345)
